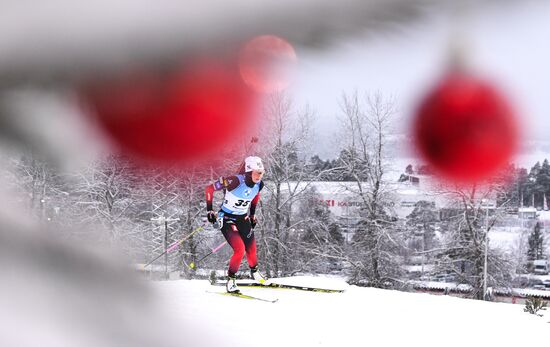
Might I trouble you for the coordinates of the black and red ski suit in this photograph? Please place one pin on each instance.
(235, 221)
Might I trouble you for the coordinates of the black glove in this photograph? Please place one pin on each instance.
(211, 216)
(253, 221)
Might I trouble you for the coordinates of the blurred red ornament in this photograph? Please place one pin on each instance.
(173, 116)
(465, 129)
(265, 63)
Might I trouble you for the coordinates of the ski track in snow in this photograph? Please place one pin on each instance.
(357, 317)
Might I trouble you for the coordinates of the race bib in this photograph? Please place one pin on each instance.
(236, 204)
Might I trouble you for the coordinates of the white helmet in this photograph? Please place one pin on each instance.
(253, 163)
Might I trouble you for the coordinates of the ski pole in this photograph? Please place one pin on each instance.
(174, 246)
(193, 266)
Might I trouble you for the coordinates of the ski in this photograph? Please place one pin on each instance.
(281, 286)
(244, 296)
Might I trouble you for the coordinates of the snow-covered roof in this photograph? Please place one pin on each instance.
(441, 286)
(464, 288)
(526, 292)
(527, 209)
(544, 215)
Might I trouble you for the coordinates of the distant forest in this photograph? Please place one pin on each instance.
(527, 186)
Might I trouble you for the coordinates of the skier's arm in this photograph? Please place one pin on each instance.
(209, 196)
(255, 201)
(253, 207)
(210, 215)
(228, 183)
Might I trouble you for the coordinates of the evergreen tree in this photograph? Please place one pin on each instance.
(543, 181)
(536, 244)
(351, 166)
(507, 195)
(522, 180)
(532, 187)
(424, 216)
(316, 164)
(322, 170)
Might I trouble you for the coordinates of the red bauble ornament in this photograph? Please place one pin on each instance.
(173, 116)
(265, 63)
(465, 129)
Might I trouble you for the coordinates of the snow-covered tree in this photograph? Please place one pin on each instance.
(41, 185)
(191, 185)
(320, 236)
(376, 243)
(518, 252)
(463, 246)
(284, 145)
(102, 197)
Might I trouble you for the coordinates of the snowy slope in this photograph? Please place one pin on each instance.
(357, 317)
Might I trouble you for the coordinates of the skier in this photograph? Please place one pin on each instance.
(242, 192)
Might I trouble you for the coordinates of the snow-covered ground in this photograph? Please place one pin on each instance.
(357, 317)
(506, 238)
(510, 238)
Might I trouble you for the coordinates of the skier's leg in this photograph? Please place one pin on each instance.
(252, 259)
(231, 234)
(250, 248)
(247, 234)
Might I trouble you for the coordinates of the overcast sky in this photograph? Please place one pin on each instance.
(509, 44)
